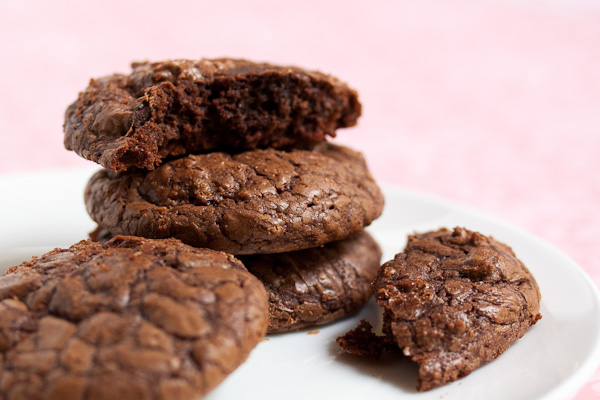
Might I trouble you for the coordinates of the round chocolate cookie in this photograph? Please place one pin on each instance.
(452, 301)
(132, 319)
(319, 285)
(177, 107)
(259, 201)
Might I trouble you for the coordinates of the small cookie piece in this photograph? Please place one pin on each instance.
(319, 285)
(172, 108)
(453, 300)
(132, 319)
(259, 201)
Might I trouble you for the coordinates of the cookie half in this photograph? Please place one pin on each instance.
(319, 285)
(452, 301)
(255, 202)
(132, 319)
(178, 107)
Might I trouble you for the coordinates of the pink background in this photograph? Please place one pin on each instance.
(492, 104)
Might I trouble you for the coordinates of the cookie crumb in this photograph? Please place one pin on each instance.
(312, 332)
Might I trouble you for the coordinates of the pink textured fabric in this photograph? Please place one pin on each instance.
(493, 105)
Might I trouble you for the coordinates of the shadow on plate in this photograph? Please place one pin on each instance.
(391, 369)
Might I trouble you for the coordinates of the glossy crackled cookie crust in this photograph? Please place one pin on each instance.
(313, 286)
(318, 285)
(259, 201)
(132, 319)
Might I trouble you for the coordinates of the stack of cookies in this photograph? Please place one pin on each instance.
(202, 160)
(231, 155)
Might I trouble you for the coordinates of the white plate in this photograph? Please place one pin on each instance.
(45, 210)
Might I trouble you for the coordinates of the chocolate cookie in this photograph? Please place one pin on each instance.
(259, 201)
(132, 319)
(178, 107)
(319, 285)
(452, 301)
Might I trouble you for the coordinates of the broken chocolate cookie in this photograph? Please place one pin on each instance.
(452, 301)
(173, 108)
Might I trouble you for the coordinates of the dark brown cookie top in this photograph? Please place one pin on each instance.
(452, 301)
(259, 201)
(132, 319)
(177, 107)
(318, 285)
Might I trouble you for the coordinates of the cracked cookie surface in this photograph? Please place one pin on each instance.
(172, 108)
(259, 201)
(131, 319)
(452, 301)
(313, 286)
(318, 285)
